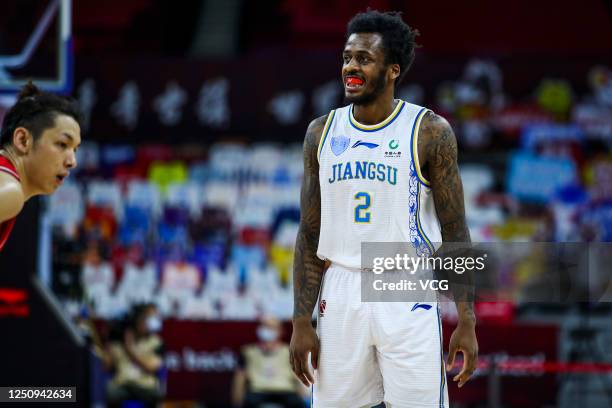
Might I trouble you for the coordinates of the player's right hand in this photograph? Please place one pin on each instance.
(304, 340)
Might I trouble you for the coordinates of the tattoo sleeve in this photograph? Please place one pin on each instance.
(307, 267)
(441, 162)
(440, 151)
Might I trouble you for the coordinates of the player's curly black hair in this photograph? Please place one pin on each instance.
(399, 40)
(36, 110)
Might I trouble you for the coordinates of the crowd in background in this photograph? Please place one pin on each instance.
(199, 222)
(207, 232)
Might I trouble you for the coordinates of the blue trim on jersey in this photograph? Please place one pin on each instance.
(442, 371)
(377, 129)
(420, 229)
(420, 232)
(312, 396)
(328, 125)
(412, 134)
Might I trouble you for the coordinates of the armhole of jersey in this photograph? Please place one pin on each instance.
(8, 170)
(415, 146)
(328, 122)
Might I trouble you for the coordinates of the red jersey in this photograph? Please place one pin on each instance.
(7, 226)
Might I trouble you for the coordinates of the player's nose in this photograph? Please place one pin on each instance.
(71, 160)
(350, 67)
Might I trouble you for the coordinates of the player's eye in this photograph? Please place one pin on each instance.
(62, 145)
(346, 58)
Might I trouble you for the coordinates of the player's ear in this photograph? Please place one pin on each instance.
(394, 71)
(22, 140)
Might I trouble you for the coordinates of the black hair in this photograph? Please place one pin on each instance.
(36, 111)
(138, 312)
(399, 40)
(129, 321)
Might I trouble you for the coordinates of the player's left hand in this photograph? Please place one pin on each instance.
(463, 339)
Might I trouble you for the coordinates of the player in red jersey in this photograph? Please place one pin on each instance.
(38, 143)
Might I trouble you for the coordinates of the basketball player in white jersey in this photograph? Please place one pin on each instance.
(378, 170)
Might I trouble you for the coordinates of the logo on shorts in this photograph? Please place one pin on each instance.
(420, 306)
(322, 305)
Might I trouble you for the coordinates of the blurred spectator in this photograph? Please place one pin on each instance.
(100, 222)
(67, 267)
(97, 275)
(264, 375)
(594, 113)
(240, 305)
(280, 303)
(180, 276)
(565, 206)
(137, 359)
(555, 96)
(139, 277)
(67, 209)
(165, 174)
(221, 282)
(282, 259)
(198, 307)
(180, 281)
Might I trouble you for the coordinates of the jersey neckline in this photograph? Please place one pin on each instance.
(7, 166)
(378, 126)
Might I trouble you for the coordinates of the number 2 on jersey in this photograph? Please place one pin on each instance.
(361, 211)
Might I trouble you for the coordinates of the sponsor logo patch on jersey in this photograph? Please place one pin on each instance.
(339, 144)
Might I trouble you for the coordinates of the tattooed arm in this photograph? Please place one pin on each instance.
(438, 148)
(307, 267)
(438, 159)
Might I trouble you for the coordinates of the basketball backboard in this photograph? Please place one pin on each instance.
(36, 44)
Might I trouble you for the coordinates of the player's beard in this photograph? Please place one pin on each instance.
(380, 82)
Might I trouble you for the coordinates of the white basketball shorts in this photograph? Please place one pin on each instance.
(374, 352)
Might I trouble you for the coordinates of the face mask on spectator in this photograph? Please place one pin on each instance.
(266, 334)
(154, 324)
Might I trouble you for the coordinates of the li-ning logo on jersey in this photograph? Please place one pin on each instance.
(420, 306)
(366, 144)
(339, 144)
(322, 306)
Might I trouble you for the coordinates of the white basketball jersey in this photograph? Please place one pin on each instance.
(372, 189)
